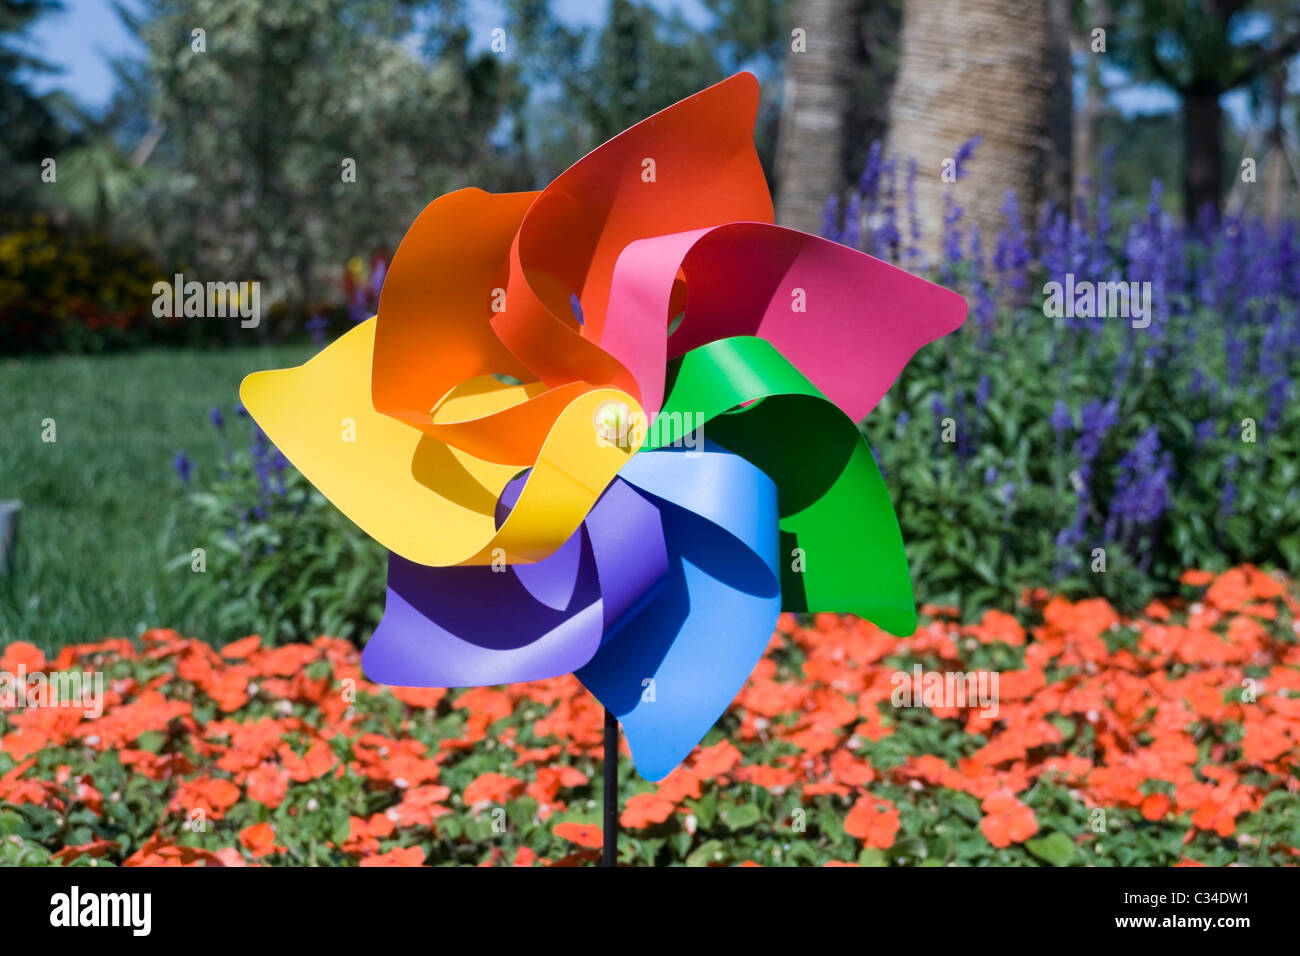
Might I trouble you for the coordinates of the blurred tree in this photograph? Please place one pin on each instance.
(754, 35)
(644, 61)
(1088, 49)
(1280, 170)
(590, 83)
(998, 69)
(95, 179)
(1275, 191)
(838, 75)
(296, 135)
(815, 108)
(31, 127)
(1202, 49)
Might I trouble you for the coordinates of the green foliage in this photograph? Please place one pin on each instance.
(66, 290)
(1186, 44)
(96, 530)
(981, 520)
(280, 561)
(32, 130)
(643, 62)
(258, 125)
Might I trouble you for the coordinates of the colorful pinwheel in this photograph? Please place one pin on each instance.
(633, 487)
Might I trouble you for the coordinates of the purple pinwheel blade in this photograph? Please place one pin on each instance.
(471, 626)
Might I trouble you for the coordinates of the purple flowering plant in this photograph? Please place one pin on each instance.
(280, 561)
(1085, 450)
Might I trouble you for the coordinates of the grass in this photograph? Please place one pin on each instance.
(98, 502)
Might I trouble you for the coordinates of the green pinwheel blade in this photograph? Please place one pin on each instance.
(840, 542)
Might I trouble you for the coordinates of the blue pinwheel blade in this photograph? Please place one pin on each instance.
(673, 669)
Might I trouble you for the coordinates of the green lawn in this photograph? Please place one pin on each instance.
(99, 501)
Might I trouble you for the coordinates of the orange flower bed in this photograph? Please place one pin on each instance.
(1075, 737)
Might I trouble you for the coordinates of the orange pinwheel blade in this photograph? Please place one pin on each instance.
(690, 166)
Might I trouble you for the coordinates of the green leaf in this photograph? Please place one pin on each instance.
(738, 817)
(151, 740)
(705, 809)
(710, 851)
(1056, 848)
(870, 856)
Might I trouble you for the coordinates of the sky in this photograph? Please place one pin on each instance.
(82, 40)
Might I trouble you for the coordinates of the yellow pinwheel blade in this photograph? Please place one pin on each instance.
(417, 496)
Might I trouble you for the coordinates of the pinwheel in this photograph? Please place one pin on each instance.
(609, 428)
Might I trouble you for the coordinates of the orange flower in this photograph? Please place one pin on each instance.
(212, 795)
(421, 806)
(646, 809)
(584, 834)
(159, 852)
(1007, 820)
(846, 769)
(421, 697)
(874, 821)
(524, 857)
(998, 626)
(1231, 590)
(285, 661)
(491, 703)
(679, 785)
(1155, 807)
(21, 655)
(493, 788)
(268, 785)
(316, 762)
(716, 760)
(243, 648)
(399, 856)
(96, 848)
(364, 835)
(259, 840)
(551, 780)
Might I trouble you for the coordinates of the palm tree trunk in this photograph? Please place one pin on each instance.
(810, 150)
(992, 68)
(1088, 117)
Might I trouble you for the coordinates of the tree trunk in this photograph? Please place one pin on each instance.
(1088, 117)
(810, 150)
(1085, 128)
(1202, 151)
(1275, 162)
(992, 68)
